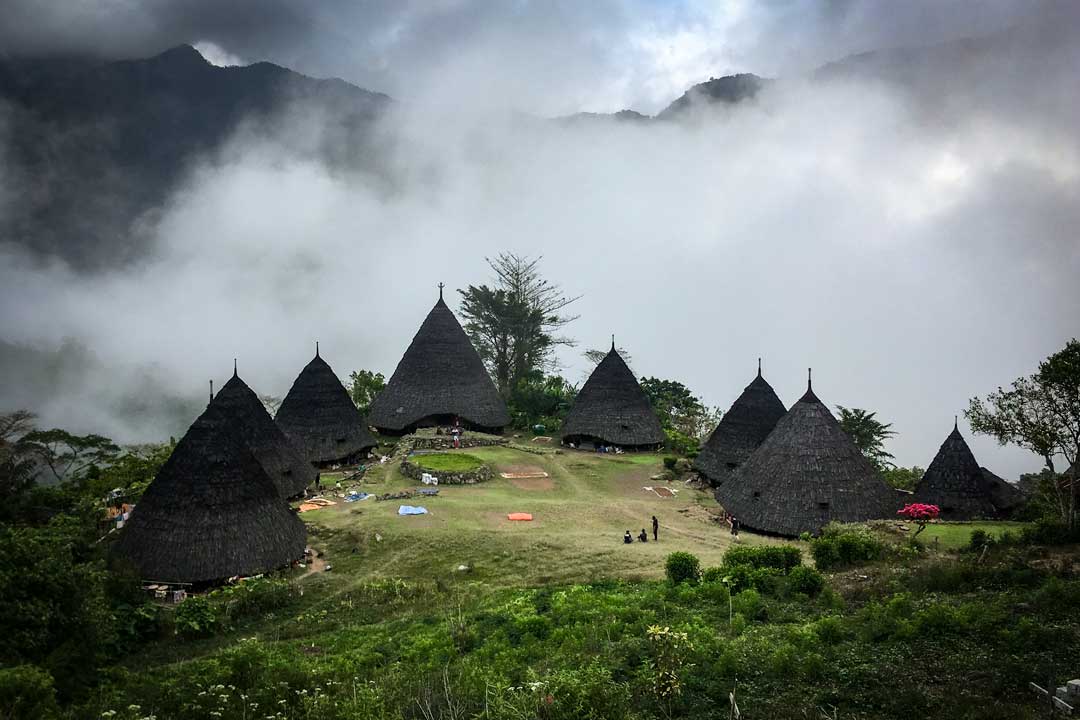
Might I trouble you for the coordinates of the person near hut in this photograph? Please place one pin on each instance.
(734, 526)
(655, 529)
(627, 538)
(644, 536)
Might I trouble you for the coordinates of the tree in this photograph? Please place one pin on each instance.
(514, 324)
(869, 434)
(1041, 413)
(678, 408)
(271, 403)
(67, 455)
(595, 356)
(364, 385)
(16, 454)
(919, 513)
(903, 478)
(541, 399)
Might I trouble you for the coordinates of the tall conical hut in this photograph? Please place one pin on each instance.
(320, 418)
(291, 473)
(806, 474)
(440, 378)
(612, 409)
(741, 430)
(962, 489)
(211, 513)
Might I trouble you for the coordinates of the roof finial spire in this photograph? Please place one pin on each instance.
(759, 367)
(809, 379)
(211, 391)
(316, 348)
(234, 367)
(612, 341)
(955, 422)
(440, 290)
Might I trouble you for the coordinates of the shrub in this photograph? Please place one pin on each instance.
(830, 630)
(669, 462)
(26, 691)
(195, 617)
(806, 580)
(781, 557)
(1050, 531)
(845, 545)
(713, 574)
(682, 566)
(979, 539)
(749, 604)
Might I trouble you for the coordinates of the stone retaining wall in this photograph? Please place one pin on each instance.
(470, 477)
(446, 442)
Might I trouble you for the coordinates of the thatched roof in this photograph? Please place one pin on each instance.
(290, 472)
(612, 407)
(1005, 496)
(440, 374)
(211, 513)
(320, 418)
(742, 429)
(959, 487)
(805, 475)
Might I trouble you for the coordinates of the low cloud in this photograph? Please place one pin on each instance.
(913, 242)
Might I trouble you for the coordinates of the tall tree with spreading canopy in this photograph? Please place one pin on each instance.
(364, 385)
(16, 454)
(67, 455)
(869, 434)
(514, 324)
(1041, 413)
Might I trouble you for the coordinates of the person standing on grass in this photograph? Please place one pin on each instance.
(655, 528)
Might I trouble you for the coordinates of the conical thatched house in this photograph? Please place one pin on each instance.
(742, 429)
(440, 377)
(611, 408)
(805, 475)
(291, 473)
(211, 513)
(960, 487)
(320, 418)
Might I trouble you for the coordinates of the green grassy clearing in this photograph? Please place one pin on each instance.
(448, 462)
(955, 535)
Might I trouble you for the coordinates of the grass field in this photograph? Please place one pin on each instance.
(448, 462)
(580, 511)
(955, 535)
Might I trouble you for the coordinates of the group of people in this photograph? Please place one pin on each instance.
(644, 536)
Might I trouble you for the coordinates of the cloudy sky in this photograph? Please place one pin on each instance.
(914, 241)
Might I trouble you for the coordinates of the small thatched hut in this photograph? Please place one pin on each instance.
(440, 377)
(742, 429)
(291, 473)
(611, 408)
(805, 475)
(320, 418)
(960, 487)
(211, 513)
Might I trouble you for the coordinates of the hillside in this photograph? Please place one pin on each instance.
(93, 146)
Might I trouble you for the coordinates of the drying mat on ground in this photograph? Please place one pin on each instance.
(524, 474)
(661, 491)
(411, 510)
(519, 516)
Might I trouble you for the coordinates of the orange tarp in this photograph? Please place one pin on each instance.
(519, 516)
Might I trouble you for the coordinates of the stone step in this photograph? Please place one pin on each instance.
(1074, 688)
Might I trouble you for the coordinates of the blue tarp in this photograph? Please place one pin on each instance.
(410, 510)
(354, 496)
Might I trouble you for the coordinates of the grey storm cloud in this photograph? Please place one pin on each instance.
(544, 57)
(907, 230)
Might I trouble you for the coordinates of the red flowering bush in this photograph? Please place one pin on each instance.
(919, 513)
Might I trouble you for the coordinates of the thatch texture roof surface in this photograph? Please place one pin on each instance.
(291, 473)
(211, 513)
(959, 487)
(612, 407)
(805, 475)
(439, 374)
(742, 429)
(1005, 496)
(320, 418)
